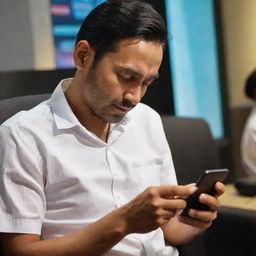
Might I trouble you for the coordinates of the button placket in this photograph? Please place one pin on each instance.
(113, 169)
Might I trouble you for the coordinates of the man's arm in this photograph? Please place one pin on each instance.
(149, 210)
(180, 230)
(93, 240)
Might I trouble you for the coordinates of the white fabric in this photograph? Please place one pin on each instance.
(248, 145)
(57, 177)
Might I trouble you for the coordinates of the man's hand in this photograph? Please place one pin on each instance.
(201, 220)
(154, 207)
(180, 230)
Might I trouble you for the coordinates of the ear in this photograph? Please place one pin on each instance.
(82, 53)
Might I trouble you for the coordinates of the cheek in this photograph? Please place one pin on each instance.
(112, 87)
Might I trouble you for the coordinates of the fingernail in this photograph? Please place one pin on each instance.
(192, 189)
(191, 212)
(179, 212)
(202, 197)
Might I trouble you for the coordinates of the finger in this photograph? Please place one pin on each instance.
(211, 201)
(174, 204)
(162, 216)
(165, 214)
(194, 223)
(220, 189)
(204, 216)
(174, 191)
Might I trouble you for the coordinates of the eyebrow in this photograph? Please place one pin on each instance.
(136, 73)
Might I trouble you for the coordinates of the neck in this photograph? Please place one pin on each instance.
(97, 126)
(85, 116)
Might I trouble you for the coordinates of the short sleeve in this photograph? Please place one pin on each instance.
(22, 199)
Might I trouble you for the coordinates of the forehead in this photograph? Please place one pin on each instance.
(136, 52)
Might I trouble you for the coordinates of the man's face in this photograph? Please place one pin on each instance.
(116, 83)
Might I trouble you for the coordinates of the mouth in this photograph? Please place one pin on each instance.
(121, 110)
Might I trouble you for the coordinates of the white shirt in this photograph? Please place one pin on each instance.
(57, 177)
(248, 144)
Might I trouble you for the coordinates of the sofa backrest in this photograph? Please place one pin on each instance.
(192, 146)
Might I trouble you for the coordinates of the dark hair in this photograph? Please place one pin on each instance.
(114, 20)
(250, 85)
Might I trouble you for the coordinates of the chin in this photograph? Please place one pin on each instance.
(113, 119)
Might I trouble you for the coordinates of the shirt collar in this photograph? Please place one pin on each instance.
(63, 114)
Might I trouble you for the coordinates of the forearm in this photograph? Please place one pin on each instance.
(177, 233)
(146, 212)
(94, 240)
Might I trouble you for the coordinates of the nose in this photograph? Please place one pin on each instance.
(133, 95)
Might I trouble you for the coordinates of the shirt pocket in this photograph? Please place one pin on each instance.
(150, 176)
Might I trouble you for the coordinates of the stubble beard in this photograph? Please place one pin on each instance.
(98, 98)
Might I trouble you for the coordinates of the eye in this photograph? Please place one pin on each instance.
(125, 78)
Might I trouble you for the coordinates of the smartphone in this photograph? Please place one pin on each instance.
(205, 184)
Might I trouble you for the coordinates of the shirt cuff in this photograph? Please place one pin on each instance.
(8, 224)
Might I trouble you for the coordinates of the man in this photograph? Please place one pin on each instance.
(248, 143)
(89, 171)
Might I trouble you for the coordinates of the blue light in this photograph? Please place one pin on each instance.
(81, 8)
(65, 30)
(194, 61)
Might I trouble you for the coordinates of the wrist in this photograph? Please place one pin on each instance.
(120, 222)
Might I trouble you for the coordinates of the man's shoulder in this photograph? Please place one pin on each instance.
(29, 119)
(253, 112)
(251, 122)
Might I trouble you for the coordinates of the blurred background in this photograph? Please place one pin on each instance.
(210, 53)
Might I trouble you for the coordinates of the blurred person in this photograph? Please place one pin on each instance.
(89, 171)
(248, 143)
